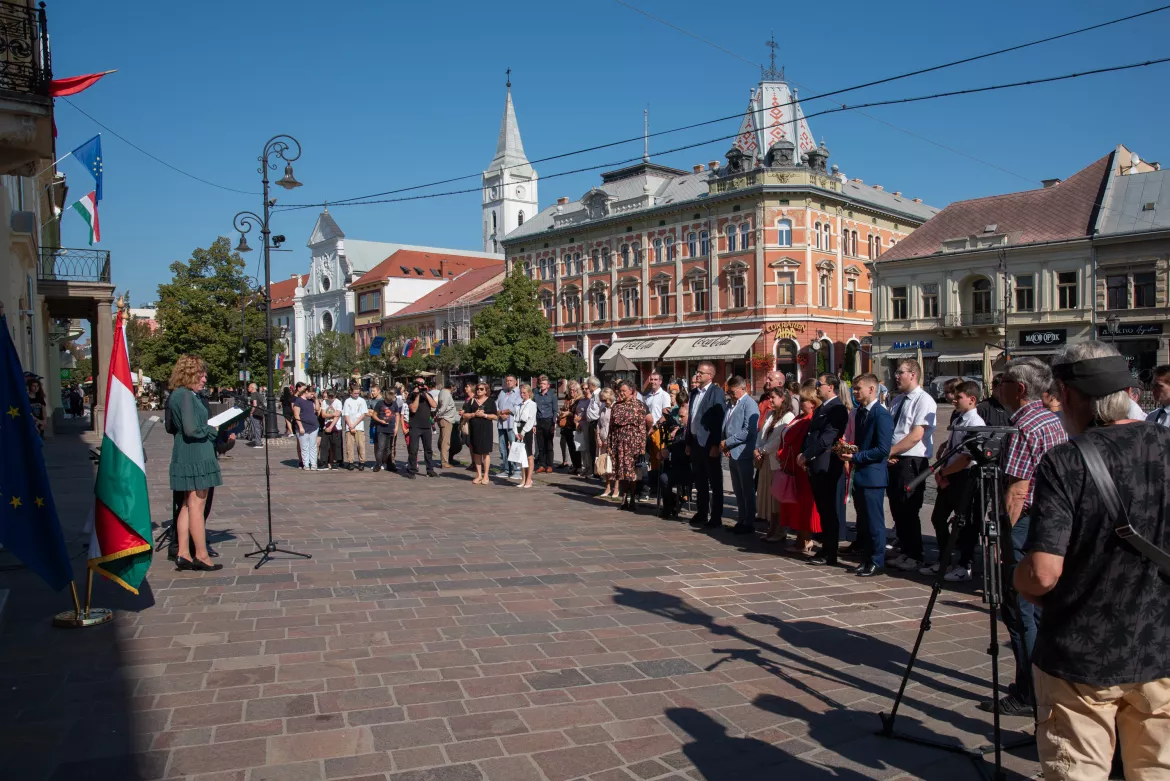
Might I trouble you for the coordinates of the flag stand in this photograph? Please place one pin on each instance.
(77, 618)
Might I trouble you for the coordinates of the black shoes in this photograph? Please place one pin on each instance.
(432, 473)
(821, 561)
(195, 565)
(867, 570)
(742, 528)
(1011, 705)
(698, 521)
(409, 474)
(377, 468)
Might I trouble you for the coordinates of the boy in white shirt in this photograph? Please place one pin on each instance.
(354, 412)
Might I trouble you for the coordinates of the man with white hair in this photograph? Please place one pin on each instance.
(1100, 569)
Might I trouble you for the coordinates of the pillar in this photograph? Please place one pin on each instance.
(102, 339)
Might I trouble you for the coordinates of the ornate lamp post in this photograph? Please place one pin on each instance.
(1113, 323)
(278, 148)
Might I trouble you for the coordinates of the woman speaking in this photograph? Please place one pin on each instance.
(194, 469)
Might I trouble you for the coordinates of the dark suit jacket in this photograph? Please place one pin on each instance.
(873, 443)
(709, 417)
(827, 426)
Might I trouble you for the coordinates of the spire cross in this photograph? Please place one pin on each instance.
(772, 73)
(509, 72)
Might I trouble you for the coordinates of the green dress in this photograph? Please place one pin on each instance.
(193, 464)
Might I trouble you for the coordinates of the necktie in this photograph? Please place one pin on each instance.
(1163, 418)
(901, 411)
(859, 426)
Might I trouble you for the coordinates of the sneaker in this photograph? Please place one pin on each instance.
(895, 561)
(958, 574)
(907, 564)
(1011, 705)
(931, 570)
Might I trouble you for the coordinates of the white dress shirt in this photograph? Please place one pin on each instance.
(353, 408)
(772, 437)
(695, 404)
(593, 412)
(526, 417)
(1160, 415)
(656, 402)
(1135, 411)
(915, 408)
(968, 418)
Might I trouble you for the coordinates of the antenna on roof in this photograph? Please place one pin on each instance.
(646, 135)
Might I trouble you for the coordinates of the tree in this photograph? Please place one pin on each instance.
(199, 311)
(82, 369)
(138, 333)
(332, 354)
(513, 336)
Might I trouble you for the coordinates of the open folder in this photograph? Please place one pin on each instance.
(227, 417)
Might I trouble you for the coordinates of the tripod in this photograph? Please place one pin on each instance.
(993, 595)
(265, 551)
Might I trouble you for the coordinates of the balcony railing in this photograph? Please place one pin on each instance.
(25, 65)
(954, 319)
(74, 265)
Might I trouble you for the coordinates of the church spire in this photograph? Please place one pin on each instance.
(509, 148)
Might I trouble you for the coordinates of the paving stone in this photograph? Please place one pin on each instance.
(556, 680)
(666, 668)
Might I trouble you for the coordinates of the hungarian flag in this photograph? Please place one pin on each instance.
(120, 546)
(87, 208)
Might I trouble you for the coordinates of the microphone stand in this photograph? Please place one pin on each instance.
(265, 551)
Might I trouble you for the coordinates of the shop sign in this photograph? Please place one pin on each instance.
(785, 330)
(1052, 336)
(1130, 329)
(713, 341)
(925, 344)
(646, 344)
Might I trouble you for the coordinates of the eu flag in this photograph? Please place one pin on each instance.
(89, 154)
(376, 345)
(28, 518)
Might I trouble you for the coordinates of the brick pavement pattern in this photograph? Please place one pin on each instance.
(450, 632)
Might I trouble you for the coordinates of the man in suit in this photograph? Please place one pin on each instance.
(825, 472)
(739, 444)
(874, 427)
(704, 434)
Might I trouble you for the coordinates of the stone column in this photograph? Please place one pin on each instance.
(102, 339)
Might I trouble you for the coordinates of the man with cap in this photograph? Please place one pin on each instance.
(1102, 655)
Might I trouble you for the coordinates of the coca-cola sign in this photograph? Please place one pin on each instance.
(1045, 338)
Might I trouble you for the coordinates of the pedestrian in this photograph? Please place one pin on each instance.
(911, 449)
(773, 379)
(1135, 408)
(587, 422)
(605, 398)
(507, 405)
(708, 405)
(826, 474)
(674, 479)
(464, 430)
(526, 433)
(567, 423)
(767, 450)
(956, 481)
(447, 420)
(355, 411)
(384, 420)
(255, 415)
(307, 423)
(546, 418)
(1102, 653)
(194, 470)
(1161, 388)
(286, 397)
(1039, 431)
(627, 442)
(480, 414)
(740, 429)
(422, 408)
(798, 509)
(991, 409)
(658, 402)
(37, 404)
(873, 430)
(330, 436)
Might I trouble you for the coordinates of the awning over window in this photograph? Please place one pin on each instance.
(902, 354)
(953, 358)
(732, 344)
(639, 349)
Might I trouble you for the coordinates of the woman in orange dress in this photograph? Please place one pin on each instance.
(801, 516)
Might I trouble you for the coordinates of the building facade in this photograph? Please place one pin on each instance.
(444, 316)
(757, 264)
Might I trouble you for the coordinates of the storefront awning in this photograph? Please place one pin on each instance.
(961, 358)
(732, 344)
(1014, 351)
(639, 349)
(911, 354)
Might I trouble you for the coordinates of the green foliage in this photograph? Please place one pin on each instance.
(565, 366)
(137, 334)
(199, 311)
(513, 337)
(82, 369)
(332, 355)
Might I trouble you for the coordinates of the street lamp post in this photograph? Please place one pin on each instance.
(278, 148)
(1113, 323)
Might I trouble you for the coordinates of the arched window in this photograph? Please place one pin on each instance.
(817, 235)
(692, 245)
(853, 251)
(745, 233)
(784, 233)
(657, 251)
(704, 244)
(605, 259)
(595, 257)
(670, 249)
(576, 262)
(568, 264)
(625, 253)
(528, 269)
(827, 236)
(327, 321)
(493, 221)
(600, 305)
(520, 218)
(981, 297)
(731, 238)
(637, 254)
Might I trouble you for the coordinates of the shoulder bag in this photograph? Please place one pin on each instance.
(1099, 473)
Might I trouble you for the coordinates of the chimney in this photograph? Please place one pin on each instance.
(897, 192)
(878, 187)
(1050, 182)
(713, 165)
(297, 277)
(443, 268)
(699, 168)
(857, 181)
(916, 200)
(562, 201)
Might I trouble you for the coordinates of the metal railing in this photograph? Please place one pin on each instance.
(952, 319)
(73, 265)
(25, 65)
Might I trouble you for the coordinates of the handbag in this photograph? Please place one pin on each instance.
(603, 465)
(784, 487)
(640, 467)
(517, 454)
(579, 439)
(1095, 465)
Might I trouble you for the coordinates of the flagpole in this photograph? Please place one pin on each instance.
(90, 616)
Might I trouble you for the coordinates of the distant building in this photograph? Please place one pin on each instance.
(509, 183)
(149, 315)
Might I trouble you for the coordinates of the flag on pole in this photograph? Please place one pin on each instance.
(408, 348)
(87, 208)
(279, 361)
(59, 88)
(120, 546)
(28, 518)
(89, 154)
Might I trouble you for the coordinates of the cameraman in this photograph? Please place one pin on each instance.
(1103, 652)
(955, 485)
(1024, 380)
(422, 407)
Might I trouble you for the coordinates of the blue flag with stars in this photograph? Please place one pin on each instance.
(89, 154)
(28, 518)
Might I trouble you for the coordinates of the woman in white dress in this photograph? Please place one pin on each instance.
(767, 446)
(525, 425)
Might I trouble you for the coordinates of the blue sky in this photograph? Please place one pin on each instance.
(385, 95)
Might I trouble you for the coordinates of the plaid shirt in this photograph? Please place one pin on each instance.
(1040, 431)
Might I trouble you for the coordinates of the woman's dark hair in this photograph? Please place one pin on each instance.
(40, 397)
(285, 395)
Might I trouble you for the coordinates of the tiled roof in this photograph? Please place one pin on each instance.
(470, 284)
(282, 292)
(418, 264)
(1064, 211)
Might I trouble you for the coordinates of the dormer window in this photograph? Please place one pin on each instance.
(405, 270)
(418, 271)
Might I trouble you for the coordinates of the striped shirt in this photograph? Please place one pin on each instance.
(1039, 432)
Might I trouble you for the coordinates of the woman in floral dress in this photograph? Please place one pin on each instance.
(627, 441)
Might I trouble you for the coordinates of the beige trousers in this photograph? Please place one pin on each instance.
(356, 440)
(1077, 724)
(444, 441)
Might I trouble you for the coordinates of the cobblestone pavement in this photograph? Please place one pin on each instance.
(444, 631)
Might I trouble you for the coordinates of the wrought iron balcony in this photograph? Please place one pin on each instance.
(25, 65)
(955, 319)
(73, 265)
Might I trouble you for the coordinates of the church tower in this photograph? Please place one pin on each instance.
(509, 183)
